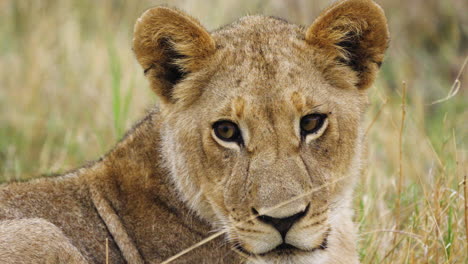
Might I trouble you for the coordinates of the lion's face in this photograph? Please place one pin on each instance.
(262, 122)
(264, 143)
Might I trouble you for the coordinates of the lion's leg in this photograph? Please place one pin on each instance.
(35, 240)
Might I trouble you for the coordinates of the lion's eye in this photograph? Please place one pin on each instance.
(227, 131)
(312, 123)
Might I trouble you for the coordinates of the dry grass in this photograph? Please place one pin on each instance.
(69, 87)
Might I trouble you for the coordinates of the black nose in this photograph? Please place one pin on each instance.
(281, 224)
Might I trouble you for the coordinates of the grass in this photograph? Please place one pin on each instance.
(70, 87)
(120, 106)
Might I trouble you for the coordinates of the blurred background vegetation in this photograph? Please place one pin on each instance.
(70, 87)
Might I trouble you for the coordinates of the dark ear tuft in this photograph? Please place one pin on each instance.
(350, 46)
(169, 45)
(352, 33)
(173, 73)
(170, 72)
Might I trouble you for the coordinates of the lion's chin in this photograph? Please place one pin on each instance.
(287, 254)
(286, 249)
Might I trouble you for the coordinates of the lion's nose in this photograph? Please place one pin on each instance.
(281, 224)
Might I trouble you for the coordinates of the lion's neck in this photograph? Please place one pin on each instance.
(138, 187)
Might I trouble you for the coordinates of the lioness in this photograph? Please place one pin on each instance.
(258, 135)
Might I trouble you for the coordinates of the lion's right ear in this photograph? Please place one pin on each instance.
(170, 44)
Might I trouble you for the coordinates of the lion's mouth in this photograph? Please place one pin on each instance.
(288, 249)
(284, 249)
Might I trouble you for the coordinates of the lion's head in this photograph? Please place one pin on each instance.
(262, 119)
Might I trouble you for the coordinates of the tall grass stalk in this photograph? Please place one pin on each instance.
(120, 104)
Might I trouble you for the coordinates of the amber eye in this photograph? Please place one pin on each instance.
(312, 123)
(227, 131)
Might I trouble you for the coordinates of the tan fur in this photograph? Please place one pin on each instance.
(170, 181)
(49, 243)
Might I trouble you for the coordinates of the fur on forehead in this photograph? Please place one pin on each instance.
(257, 29)
(237, 106)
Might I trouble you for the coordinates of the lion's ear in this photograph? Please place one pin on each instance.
(170, 44)
(353, 35)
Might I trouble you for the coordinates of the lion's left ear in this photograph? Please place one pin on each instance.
(353, 36)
